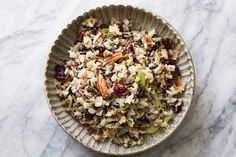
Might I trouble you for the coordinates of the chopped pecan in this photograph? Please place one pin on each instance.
(115, 57)
(80, 36)
(102, 85)
(179, 85)
(148, 39)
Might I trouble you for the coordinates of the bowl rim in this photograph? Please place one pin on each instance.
(193, 81)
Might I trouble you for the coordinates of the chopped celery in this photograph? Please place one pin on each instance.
(151, 129)
(155, 100)
(142, 78)
(70, 101)
(105, 31)
(167, 118)
(143, 103)
(157, 103)
(151, 31)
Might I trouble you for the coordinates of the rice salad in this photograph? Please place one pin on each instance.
(120, 84)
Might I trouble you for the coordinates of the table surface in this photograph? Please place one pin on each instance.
(28, 30)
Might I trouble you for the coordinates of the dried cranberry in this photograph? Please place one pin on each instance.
(60, 72)
(128, 49)
(120, 89)
(101, 50)
(120, 26)
(169, 61)
(60, 77)
(168, 43)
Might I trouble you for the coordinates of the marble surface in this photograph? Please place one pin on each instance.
(28, 29)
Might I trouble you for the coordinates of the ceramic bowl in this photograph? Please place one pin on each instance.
(141, 19)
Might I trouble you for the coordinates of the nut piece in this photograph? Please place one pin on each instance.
(102, 85)
(148, 39)
(115, 57)
(179, 85)
(106, 53)
(80, 36)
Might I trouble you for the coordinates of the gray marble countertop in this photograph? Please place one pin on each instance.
(28, 30)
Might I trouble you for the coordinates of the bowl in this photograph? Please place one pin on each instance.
(141, 19)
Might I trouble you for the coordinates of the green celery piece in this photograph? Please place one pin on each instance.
(155, 100)
(167, 118)
(157, 103)
(105, 31)
(143, 103)
(142, 78)
(151, 129)
(151, 31)
(70, 101)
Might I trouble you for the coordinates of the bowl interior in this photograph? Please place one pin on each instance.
(141, 19)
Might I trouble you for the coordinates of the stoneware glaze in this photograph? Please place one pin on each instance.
(141, 19)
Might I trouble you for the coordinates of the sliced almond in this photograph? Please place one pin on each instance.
(115, 57)
(102, 85)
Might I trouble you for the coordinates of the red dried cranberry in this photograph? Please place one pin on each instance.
(60, 68)
(169, 61)
(60, 72)
(128, 49)
(120, 26)
(168, 43)
(120, 89)
(60, 77)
